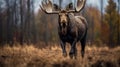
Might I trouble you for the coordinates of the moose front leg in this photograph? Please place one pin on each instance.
(63, 48)
(73, 51)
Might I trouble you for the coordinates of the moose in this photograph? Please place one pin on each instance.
(71, 29)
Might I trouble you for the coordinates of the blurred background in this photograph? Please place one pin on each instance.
(22, 21)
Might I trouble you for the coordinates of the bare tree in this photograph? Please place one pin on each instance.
(101, 2)
(0, 23)
(22, 22)
(118, 25)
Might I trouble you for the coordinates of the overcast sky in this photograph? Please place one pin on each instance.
(95, 3)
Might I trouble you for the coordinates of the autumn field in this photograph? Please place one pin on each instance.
(31, 56)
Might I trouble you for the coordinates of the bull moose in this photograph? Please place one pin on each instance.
(71, 29)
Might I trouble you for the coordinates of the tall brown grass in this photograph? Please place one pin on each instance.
(31, 56)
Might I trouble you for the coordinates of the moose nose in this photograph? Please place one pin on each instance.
(64, 24)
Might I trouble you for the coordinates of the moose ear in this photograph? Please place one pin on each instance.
(69, 6)
(56, 7)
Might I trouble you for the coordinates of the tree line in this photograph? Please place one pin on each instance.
(110, 26)
(19, 23)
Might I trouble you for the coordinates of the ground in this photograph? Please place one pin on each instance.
(31, 56)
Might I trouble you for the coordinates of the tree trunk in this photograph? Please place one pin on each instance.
(118, 29)
(21, 16)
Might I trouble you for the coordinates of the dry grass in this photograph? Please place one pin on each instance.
(30, 56)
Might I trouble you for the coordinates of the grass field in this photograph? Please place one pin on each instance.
(31, 56)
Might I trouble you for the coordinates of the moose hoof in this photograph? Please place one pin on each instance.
(71, 56)
(82, 54)
(64, 54)
(75, 56)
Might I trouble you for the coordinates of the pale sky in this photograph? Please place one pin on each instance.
(95, 3)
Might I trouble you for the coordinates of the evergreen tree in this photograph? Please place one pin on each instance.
(111, 18)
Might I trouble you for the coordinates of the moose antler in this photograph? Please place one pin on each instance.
(79, 7)
(47, 7)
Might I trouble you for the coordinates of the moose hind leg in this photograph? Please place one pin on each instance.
(83, 43)
(83, 48)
